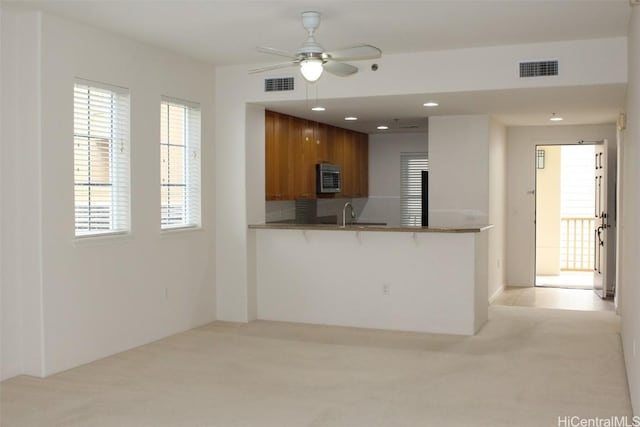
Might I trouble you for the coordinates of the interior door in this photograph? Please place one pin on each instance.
(601, 222)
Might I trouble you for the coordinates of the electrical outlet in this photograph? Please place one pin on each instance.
(498, 263)
(166, 293)
(386, 289)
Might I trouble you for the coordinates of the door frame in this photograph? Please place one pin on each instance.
(535, 192)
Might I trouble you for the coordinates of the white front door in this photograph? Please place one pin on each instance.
(601, 222)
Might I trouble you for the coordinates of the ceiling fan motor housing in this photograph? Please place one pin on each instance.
(311, 48)
(311, 21)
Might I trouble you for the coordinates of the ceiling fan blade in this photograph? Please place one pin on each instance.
(355, 53)
(339, 68)
(273, 51)
(273, 67)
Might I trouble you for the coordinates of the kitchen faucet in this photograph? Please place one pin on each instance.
(344, 214)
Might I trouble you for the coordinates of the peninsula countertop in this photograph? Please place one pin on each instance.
(371, 227)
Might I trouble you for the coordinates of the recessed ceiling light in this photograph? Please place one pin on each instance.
(555, 118)
(318, 108)
(383, 127)
(351, 118)
(430, 104)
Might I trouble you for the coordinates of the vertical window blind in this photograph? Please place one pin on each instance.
(101, 158)
(179, 164)
(411, 167)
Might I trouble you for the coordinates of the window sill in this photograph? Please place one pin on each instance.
(102, 238)
(179, 230)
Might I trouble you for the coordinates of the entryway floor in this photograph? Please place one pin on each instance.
(567, 299)
(567, 279)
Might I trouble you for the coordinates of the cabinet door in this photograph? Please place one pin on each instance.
(278, 176)
(304, 160)
(334, 148)
(285, 134)
(360, 165)
(336, 151)
(350, 171)
(270, 156)
(321, 135)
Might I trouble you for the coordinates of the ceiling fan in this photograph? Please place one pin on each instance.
(313, 59)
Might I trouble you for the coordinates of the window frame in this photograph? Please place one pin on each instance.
(408, 215)
(118, 151)
(192, 166)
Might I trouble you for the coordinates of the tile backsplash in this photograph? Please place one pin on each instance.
(283, 210)
(280, 210)
(328, 207)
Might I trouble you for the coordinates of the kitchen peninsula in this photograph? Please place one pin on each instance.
(385, 277)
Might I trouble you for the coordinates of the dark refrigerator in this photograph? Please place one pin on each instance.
(425, 198)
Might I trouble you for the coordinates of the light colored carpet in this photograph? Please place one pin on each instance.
(567, 299)
(525, 368)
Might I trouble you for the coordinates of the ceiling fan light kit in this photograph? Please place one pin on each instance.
(313, 60)
(311, 69)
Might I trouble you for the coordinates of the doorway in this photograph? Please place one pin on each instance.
(565, 222)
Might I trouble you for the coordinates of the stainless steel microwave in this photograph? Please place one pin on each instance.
(328, 178)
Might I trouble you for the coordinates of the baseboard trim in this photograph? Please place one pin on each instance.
(496, 294)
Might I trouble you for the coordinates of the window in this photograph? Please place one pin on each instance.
(101, 158)
(179, 164)
(411, 167)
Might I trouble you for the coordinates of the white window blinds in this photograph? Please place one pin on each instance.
(411, 167)
(179, 164)
(101, 158)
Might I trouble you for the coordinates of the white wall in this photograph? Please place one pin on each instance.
(458, 170)
(521, 147)
(630, 299)
(21, 251)
(255, 136)
(432, 279)
(583, 62)
(497, 208)
(99, 296)
(383, 204)
(2, 308)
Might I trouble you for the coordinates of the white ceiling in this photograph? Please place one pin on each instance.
(227, 32)
(516, 107)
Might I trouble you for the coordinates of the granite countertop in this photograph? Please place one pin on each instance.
(371, 227)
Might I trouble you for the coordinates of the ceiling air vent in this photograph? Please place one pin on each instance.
(538, 68)
(278, 84)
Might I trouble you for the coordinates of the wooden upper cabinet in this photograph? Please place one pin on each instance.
(336, 144)
(304, 161)
(294, 146)
(321, 135)
(279, 137)
(349, 183)
(357, 164)
(270, 155)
